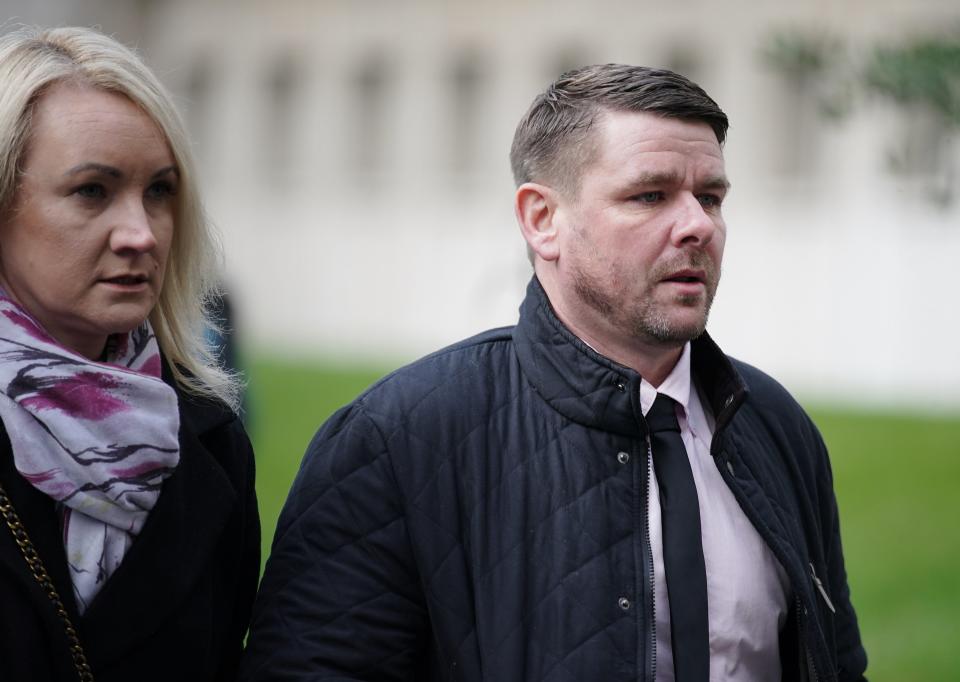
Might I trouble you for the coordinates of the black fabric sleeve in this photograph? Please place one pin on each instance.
(341, 598)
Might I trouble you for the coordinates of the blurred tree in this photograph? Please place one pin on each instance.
(925, 72)
(807, 66)
(814, 63)
(921, 77)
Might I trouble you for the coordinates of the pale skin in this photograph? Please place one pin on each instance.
(631, 259)
(84, 243)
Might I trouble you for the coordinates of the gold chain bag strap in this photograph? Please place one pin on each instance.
(40, 573)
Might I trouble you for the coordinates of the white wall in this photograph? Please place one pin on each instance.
(840, 281)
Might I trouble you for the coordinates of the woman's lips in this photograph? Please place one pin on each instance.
(126, 282)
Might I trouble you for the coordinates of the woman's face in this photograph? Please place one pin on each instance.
(84, 243)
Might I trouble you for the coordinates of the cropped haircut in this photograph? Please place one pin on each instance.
(32, 60)
(553, 142)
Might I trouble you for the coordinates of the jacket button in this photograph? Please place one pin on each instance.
(623, 457)
(621, 386)
(623, 603)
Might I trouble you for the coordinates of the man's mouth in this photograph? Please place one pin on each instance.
(686, 276)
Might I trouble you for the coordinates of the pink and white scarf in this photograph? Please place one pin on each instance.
(98, 437)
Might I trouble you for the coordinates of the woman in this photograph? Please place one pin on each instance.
(120, 453)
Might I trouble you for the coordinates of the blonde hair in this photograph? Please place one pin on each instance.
(33, 59)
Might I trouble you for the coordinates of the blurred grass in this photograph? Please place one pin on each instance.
(896, 478)
(894, 475)
(287, 403)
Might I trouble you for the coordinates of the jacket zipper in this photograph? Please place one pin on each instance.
(808, 671)
(811, 668)
(647, 601)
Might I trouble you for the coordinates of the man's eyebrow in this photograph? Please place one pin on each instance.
(716, 182)
(656, 178)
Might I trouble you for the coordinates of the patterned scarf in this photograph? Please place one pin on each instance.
(98, 437)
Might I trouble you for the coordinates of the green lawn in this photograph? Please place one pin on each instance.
(894, 479)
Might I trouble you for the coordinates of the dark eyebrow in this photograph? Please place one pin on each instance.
(656, 178)
(716, 182)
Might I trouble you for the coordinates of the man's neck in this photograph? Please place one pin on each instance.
(652, 361)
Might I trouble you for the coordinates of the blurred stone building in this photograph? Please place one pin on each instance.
(354, 155)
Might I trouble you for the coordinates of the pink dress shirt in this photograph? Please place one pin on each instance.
(747, 589)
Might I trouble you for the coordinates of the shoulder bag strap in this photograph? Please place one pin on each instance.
(43, 578)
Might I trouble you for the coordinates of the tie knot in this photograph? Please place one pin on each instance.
(662, 416)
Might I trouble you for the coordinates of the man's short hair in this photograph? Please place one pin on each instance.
(552, 142)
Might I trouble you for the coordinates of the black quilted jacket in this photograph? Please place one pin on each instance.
(467, 518)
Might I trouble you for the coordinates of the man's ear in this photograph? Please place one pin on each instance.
(536, 209)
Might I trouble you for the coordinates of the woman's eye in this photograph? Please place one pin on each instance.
(161, 190)
(91, 190)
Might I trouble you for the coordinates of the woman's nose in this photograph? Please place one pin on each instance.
(132, 230)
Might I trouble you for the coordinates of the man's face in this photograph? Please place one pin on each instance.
(640, 244)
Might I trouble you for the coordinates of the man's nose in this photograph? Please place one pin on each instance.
(695, 224)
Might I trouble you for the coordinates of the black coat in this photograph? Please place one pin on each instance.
(467, 518)
(178, 605)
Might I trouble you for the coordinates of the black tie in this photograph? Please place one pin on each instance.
(682, 546)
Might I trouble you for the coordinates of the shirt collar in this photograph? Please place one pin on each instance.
(679, 386)
(676, 385)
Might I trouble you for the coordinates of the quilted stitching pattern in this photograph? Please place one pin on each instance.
(467, 519)
(452, 498)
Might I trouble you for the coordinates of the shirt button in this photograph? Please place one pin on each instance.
(623, 603)
(623, 457)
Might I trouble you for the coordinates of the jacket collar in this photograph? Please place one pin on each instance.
(592, 389)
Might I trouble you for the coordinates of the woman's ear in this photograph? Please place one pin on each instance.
(536, 208)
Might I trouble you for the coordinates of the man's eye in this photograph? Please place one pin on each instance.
(649, 197)
(709, 200)
(92, 190)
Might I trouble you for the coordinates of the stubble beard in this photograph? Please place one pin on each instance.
(649, 319)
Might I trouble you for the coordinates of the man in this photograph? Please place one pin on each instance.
(598, 493)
